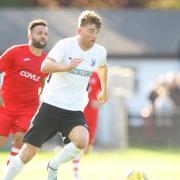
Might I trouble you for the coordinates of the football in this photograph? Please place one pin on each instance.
(136, 175)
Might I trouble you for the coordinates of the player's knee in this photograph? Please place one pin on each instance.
(81, 142)
(17, 142)
(79, 136)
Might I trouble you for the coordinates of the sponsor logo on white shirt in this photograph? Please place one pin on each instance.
(81, 72)
(92, 62)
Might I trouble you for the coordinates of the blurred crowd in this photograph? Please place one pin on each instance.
(163, 105)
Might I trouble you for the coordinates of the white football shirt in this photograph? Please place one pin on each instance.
(68, 90)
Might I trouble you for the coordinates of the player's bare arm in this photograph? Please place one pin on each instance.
(1, 99)
(51, 66)
(102, 73)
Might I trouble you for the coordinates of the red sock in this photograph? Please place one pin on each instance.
(14, 152)
(76, 167)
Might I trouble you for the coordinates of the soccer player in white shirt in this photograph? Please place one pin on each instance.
(70, 64)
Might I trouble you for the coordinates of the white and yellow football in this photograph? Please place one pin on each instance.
(136, 175)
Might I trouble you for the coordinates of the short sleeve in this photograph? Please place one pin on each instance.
(57, 52)
(6, 60)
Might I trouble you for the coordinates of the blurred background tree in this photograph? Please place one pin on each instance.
(15, 3)
(163, 4)
(152, 4)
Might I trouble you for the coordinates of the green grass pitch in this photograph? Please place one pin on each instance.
(107, 165)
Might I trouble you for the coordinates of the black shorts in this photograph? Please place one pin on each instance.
(51, 119)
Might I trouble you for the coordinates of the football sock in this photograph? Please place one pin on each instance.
(69, 152)
(14, 152)
(14, 168)
(76, 162)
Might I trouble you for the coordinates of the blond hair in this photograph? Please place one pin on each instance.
(89, 17)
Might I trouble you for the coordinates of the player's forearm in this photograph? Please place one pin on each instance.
(50, 66)
(1, 99)
(102, 73)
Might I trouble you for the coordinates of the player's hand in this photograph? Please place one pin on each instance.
(74, 63)
(102, 97)
(1, 101)
(95, 104)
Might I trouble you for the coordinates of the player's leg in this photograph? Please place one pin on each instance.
(91, 116)
(79, 140)
(76, 130)
(16, 145)
(79, 135)
(5, 127)
(40, 131)
(20, 126)
(92, 133)
(15, 166)
(17, 140)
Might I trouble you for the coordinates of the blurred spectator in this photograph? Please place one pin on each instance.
(175, 96)
(148, 111)
(162, 108)
(175, 89)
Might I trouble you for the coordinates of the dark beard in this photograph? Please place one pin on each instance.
(38, 45)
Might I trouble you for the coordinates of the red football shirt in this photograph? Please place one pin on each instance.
(22, 79)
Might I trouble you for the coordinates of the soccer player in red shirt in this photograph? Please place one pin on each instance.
(21, 84)
(91, 115)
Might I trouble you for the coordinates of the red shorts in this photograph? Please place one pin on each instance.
(91, 116)
(14, 123)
